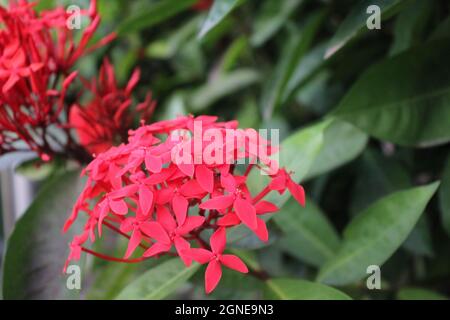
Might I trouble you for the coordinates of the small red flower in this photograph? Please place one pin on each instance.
(215, 259)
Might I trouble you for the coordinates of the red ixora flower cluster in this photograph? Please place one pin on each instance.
(104, 121)
(165, 206)
(37, 54)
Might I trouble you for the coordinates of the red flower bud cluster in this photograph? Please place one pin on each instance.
(173, 182)
(104, 120)
(37, 54)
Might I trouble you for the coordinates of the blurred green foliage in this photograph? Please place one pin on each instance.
(366, 114)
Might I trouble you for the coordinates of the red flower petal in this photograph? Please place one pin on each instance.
(218, 240)
(263, 207)
(153, 164)
(201, 255)
(126, 191)
(261, 231)
(192, 189)
(156, 249)
(205, 178)
(118, 206)
(297, 192)
(135, 239)
(186, 168)
(218, 203)
(165, 218)
(163, 196)
(233, 262)
(190, 224)
(156, 231)
(228, 182)
(182, 247)
(145, 199)
(278, 183)
(230, 219)
(246, 212)
(180, 206)
(212, 275)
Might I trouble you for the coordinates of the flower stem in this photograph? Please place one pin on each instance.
(109, 258)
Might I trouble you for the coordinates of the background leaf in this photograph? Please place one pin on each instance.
(372, 237)
(308, 234)
(219, 10)
(36, 251)
(355, 23)
(342, 143)
(401, 115)
(158, 282)
(444, 198)
(153, 14)
(418, 294)
(294, 289)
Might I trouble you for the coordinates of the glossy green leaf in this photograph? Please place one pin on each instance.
(412, 293)
(222, 86)
(444, 197)
(36, 250)
(442, 31)
(377, 176)
(356, 22)
(342, 143)
(219, 11)
(374, 235)
(158, 282)
(270, 19)
(307, 67)
(410, 25)
(294, 289)
(155, 13)
(419, 240)
(308, 235)
(292, 53)
(392, 99)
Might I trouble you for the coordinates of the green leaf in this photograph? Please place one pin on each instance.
(223, 85)
(36, 250)
(159, 282)
(355, 23)
(293, 289)
(308, 235)
(419, 240)
(418, 294)
(155, 13)
(392, 99)
(304, 71)
(291, 56)
(271, 18)
(297, 154)
(374, 235)
(342, 143)
(377, 177)
(444, 197)
(410, 25)
(442, 31)
(219, 11)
